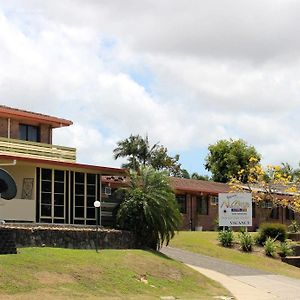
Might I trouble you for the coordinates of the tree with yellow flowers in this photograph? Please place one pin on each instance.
(267, 185)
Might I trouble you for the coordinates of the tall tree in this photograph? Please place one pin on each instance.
(150, 209)
(268, 184)
(287, 170)
(197, 176)
(227, 157)
(139, 152)
(185, 174)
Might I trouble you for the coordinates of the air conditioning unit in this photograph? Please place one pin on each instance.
(107, 190)
(214, 200)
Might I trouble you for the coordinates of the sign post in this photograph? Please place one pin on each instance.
(235, 209)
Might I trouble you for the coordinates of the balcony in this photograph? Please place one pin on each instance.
(37, 150)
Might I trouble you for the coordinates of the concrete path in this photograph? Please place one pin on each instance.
(244, 283)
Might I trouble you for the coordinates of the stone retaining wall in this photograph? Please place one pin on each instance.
(294, 236)
(7, 242)
(76, 237)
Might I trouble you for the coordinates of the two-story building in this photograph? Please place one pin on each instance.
(51, 186)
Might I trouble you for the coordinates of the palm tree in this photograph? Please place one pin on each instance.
(150, 209)
(139, 153)
(136, 149)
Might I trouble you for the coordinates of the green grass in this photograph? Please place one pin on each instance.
(53, 273)
(207, 243)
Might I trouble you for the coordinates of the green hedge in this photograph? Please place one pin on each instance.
(275, 231)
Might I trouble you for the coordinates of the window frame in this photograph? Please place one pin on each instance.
(274, 214)
(203, 209)
(182, 203)
(289, 214)
(27, 128)
(49, 187)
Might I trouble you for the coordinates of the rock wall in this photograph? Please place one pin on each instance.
(294, 236)
(7, 242)
(69, 237)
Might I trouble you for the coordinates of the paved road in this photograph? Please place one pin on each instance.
(244, 283)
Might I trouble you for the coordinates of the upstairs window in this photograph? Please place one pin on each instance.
(29, 133)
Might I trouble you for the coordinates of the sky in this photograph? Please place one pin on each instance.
(187, 73)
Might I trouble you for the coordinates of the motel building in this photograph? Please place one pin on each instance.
(52, 187)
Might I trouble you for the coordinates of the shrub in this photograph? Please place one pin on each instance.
(149, 209)
(243, 229)
(294, 226)
(226, 238)
(285, 249)
(246, 241)
(275, 231)
(270, 247)
(216, 224)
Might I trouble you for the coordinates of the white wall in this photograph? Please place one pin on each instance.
(19, 209)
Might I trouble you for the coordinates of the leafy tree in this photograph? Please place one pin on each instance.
(149, 208)
(287, 170)
(227, 157)
(268, 184)
(139, 153)
(197, 176)
(185, 174)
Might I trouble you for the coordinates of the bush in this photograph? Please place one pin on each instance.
(226, 238)
(285, 249)
(294, 226)
(246, 241)
(216, 224)
(270, 247)
(243, 229)
(275, 231)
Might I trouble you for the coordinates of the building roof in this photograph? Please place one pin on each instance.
(28, 116)
(198, 186)
(73, 166)
(178, 184)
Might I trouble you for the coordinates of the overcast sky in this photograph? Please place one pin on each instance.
(187, 73)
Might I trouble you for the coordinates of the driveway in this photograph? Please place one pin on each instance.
(244, 283)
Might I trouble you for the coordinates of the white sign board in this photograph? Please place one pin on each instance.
(235, 209)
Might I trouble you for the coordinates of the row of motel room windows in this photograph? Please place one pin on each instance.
(204, 201)
(68, 197)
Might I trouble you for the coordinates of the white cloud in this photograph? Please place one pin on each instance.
(187, 75)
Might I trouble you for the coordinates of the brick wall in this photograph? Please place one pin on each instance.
(3, 127)
(45, 130)
(207, 222)
(14, 129)
(45, 134)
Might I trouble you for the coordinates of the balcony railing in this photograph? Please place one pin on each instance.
(37, 150)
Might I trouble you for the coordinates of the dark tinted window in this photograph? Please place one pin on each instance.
(181, 200)
(253, 209)
(289, 214)
(29, 133)
(275, 213)
(202, 205)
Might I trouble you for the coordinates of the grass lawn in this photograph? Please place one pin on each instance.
(207, 243)
(53, 273)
